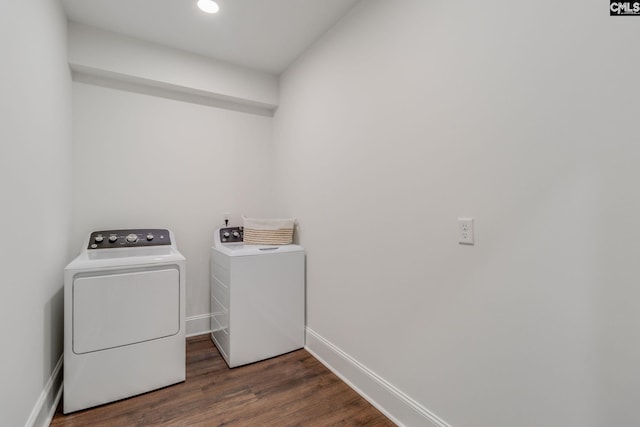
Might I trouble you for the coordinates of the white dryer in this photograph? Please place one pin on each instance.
(257, 298)
(124, 317)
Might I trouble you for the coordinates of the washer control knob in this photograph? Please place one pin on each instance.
(226, 234)
(236, 234)
(99, 238)
(132, 238)
(149, 237)
(113, 238)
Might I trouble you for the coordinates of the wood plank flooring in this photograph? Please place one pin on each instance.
(290, 390)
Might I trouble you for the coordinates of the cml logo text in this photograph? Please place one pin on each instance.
(624, 8)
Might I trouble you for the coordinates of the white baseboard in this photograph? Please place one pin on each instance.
(198, 325)
(45, 407)
(396, 405)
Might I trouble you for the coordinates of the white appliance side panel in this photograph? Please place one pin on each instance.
(219, 304)
(114, 310)
(266, 306)
(219, 282)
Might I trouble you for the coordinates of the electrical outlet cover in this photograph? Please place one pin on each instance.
(465, 231)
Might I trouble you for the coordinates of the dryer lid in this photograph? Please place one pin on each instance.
(240, 249)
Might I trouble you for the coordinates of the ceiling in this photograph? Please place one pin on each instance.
(266, 35)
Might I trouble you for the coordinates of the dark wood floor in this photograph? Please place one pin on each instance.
(290, 390)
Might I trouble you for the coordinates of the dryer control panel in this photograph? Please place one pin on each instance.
(231, 235)
(135, 237)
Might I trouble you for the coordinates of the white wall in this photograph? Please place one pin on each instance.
(410, 114)
(107, 54)
(147, 161)
(35, 185)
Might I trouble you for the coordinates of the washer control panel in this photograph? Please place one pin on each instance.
(136, 237)
(231, 235)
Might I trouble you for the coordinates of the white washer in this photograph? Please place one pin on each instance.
(124, 317)
(257, 298)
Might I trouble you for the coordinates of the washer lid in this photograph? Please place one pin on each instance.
(240, 249)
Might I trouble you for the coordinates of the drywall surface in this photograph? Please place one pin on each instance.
(146, 161)
(35, 184)
(107, 54)
(408, 115)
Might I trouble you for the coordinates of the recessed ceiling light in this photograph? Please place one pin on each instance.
(208, 6)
